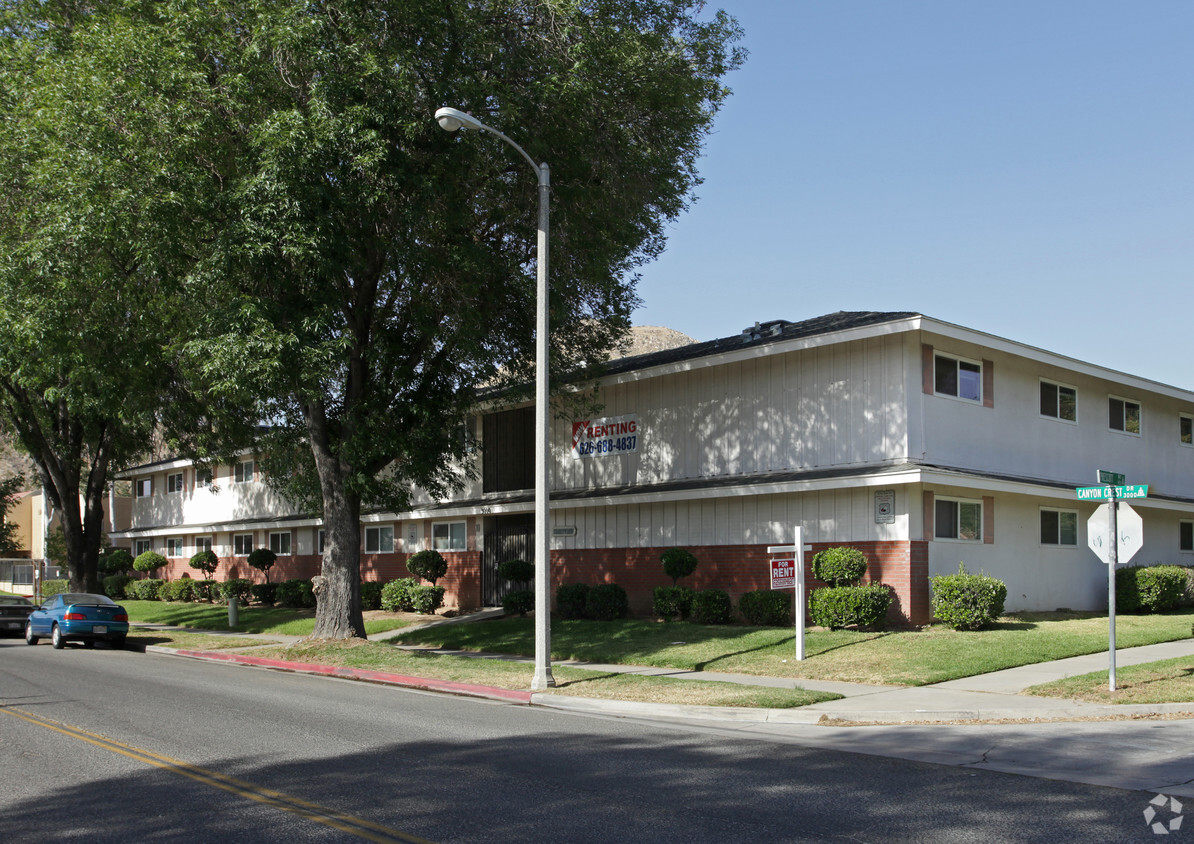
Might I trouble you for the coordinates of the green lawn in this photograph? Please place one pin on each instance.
(277, 620)
(896, 657)
(1165, 681)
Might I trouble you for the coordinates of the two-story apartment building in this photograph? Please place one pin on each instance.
(921, 442)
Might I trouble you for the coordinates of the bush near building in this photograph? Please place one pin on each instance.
(967, 601)
(837, 607)
(571, 599)
(712, 606)
(1149, 589)
(766, 608)
(671, 602)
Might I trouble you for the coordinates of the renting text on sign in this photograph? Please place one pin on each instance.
(603, 437)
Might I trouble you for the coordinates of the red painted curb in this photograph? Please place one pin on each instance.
(425, 683)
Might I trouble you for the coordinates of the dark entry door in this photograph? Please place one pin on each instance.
(506, 538)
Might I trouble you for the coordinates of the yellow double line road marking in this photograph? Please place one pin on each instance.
(260, 794)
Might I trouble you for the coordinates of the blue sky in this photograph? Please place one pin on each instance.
(1021, 168)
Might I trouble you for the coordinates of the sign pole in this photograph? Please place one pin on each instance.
(799, 593)
(1113, 561)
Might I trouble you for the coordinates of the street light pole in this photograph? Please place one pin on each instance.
(451, 120)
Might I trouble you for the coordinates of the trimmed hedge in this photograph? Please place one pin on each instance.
(205, 561)
(712, 606)
(149, 561)
(144, 590)
(678, 563)
(839, 566)
(967, 601)
(370, 595)
(237, 588)
(1149, 589)
(206, 590)
(264, 593)
(517, 571)
(606, 602)
(766, 607)
(520, 602)
(571, 599)
(427, 599)
(396, 595)
(50, 588)
(114, 586)
(296, 593)
(671, 602)
(836, 607)
(427, 565)
(178, 590)
(1188, 595)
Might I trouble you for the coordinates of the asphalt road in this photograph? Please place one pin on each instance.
(106, 746)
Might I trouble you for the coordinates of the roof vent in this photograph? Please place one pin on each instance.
(761, 330)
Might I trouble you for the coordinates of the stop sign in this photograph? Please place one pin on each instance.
(1130, 528)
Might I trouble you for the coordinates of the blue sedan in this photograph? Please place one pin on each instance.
(78, 616)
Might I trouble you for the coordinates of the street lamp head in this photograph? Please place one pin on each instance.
(451, 119)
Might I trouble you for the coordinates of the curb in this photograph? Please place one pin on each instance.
(361, 674)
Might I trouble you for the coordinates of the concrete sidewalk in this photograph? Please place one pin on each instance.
(983, 698)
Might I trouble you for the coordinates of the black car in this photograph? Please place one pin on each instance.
(14, 610)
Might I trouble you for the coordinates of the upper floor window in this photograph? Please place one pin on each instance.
(959, 378)
(1185, 540)
(1123, 415)
(1059, 401)
(174, 482)
(379, 540)
(1059, 527)
(242, 544)
(143, 487)
(202, 478)
(449, 536)
(279, 543)
(958, 519)
(243, 472)
(1186, 429)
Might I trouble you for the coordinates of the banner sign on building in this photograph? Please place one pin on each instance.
(603, 437)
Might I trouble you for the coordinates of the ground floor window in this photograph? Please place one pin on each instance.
(1059, 527)
(958, 519)
(202, 543)
(174, 547)
(379, 540)
(140, 546)
(242, 544)
(279, 543)
(320, 539)
(1186, 536)
(449, 536)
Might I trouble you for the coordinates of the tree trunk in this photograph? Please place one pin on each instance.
(338, 601)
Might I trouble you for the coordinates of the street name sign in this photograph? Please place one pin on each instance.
(1103, 493)
(1112, 478)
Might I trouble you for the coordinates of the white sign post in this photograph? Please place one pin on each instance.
(783, 578)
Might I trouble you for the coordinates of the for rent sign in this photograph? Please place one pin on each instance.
(783, 574)
(603, 437)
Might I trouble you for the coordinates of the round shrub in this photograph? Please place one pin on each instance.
(427, 565)
(370, 595)
(238, 589)
(712, 606)
(148, 589)
(1188, 593)
(178, 590)
(571, 599)
(606, 601)
(116, 561)
(264, 593)
(296, 593)
(521, 602)
(967, 601)
(671, 602)
(840, 566)
(114, 585)
(206, 562)
(517, 571)
(149, 561)
(836, 607)
(396, 595)
(263, 560)
(678, 563)
(1149, 589)
(766, 607)
(427, 599)
(205, 590)
(50, 588)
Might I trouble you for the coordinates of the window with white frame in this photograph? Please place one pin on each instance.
(174, 547)
(242, 544)
(957, 377)
(140, 546)
(202, 478)
(1059, 527)
(202, 543)
(174, 482)
(957, 518)
(143, 487)
(279, 543)
(449, 536)
(1185, 427)
(1185, 540)
(243, 472)
(1059, 401)
(379, 540)
(1123, 415)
